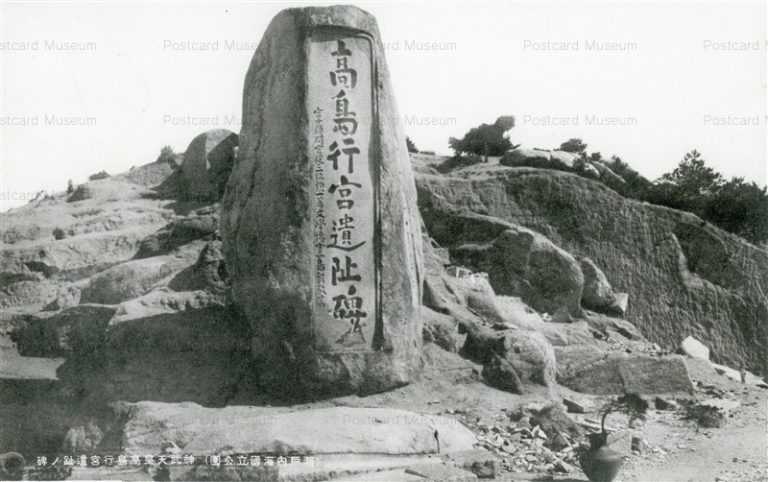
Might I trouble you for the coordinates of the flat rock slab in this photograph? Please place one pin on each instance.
(729, 372)
(640, 374)
(441, 472)
(396, 475)
(152, 426)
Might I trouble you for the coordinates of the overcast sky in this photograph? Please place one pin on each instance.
(86, 86)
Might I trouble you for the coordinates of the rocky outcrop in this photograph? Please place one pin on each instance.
(177, 233)
(683, 276)
(269, 230)
(207, 165)
(137, 277)
(198, 355)
(524, 156)
(518, 261)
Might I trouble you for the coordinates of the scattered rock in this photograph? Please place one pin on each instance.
(573, 406)
(711, 413)
(639, 445)
(662, 403)
(482, 463)
(558, 427)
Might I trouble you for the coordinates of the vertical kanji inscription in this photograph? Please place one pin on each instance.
(343, 206)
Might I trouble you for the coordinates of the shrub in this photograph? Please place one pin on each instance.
(459, 161)
(574, 145)
(99, 175)
(59, 234)
(514, 158)
(12, 235)
(485, 139)
(166, 155)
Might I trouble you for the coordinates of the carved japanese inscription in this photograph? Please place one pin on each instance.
(344, 191)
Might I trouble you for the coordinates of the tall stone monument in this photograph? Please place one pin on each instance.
(319, 220)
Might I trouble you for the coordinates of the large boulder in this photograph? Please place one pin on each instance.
(574, 359)
(527, 353)
(639, 374)
(598, 293)
(284, 221)
(685, 276)
(207, 165)
(521, 262)
(499, 373)
(694, 348)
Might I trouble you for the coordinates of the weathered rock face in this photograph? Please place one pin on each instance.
(683, 276)
(207, 165)
(283, 213)
(137, 277)
(544, 157)
(518, 261)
